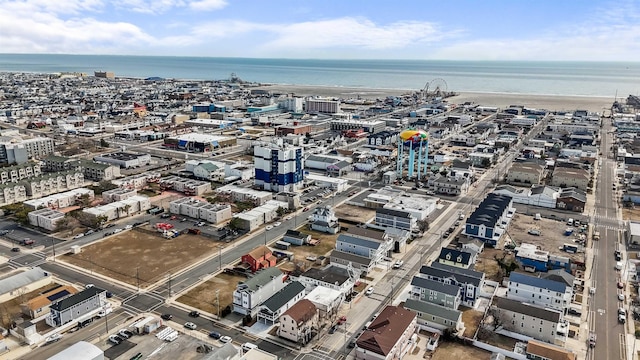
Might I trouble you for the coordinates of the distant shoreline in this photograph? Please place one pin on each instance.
(538, 101)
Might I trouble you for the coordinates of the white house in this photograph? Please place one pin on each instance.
(389, 336)
(324, 219)
(540, 323)
(254, 291)
(296, 323)
(538, 291)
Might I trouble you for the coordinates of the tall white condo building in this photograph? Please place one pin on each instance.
(279, 167)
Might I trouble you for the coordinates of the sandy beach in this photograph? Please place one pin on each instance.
(502, 100)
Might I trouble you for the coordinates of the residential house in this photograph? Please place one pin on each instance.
(543, 196)
(324, 219)
(457, 258)
(471, 245)
(332, 277)
(452, 186)
(76, 307)
(259, 258)
(327, 301)
(39, 305)
(296, 237)
(538, 291)
(395, 218)
(539, 323)
(482, 159)
(362, 264)
(389, 336)
(569, 177)
(254, 291)
(435, 317)
(369, 244)
(469, 281)
(525, 173)
(298, 322)
(436, 292)
(278, 303)
(572, 199)
(537, 350)
(490, 218)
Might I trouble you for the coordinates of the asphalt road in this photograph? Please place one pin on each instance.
(610, 333)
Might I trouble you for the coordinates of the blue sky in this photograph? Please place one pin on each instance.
(332, 29)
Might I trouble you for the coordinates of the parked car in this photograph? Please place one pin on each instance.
(305, 209)
(225, 339)
(89, 232)
(79, 236)
(276, 224)
(190, 326)
(333, 329)
(398, 264)
(369, 291)
(53, 338)
(621, 297)
(166, 316)
(128, 227)
(125, 333)
(214, 334)
(269, 227)
(15, 249)
(534, 232)
(194, 314)
(115, 339)
(342, 320)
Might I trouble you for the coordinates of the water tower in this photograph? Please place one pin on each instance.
(413, 145)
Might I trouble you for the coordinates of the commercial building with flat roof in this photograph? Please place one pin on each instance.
(124, 160)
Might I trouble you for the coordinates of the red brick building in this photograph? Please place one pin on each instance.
(259, 258)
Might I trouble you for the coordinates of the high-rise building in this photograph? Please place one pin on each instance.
(279, 167)
(15, 150)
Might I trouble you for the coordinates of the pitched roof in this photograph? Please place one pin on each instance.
(301, 311)
(329, 275)
(386, 330)
(428, 308)
(359, 241)
(261, 278)
(357, 259)
(21, 279)
(438, 286)
(50, 296)
(534, 281)
(489, 210)
(559, 275)
(549, 351)
(529, 310)
(457, 256)
(366, 233)
(277, 300)
(260, 251)
(444, 274)
(76, 299)
(457, 270)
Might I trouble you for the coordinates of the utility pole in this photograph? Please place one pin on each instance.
(218, 302)
(169, 284)
(53, 244)
(219, 257)
(138, 277)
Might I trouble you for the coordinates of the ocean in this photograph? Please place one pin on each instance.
(608, 79)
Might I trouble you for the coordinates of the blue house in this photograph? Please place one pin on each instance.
(488, 221)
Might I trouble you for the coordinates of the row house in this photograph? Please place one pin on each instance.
(16, 173)
(53, 183)
(61, 200)
(434, 316)
(119, 209)
(12, 193)
(250, 294)
(452, 186)
(490, 218)
(567, 177)
(469, 281)
(118, 194)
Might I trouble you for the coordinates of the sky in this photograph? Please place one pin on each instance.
(589, 30)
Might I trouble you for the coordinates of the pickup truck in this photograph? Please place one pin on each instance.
(26, 242)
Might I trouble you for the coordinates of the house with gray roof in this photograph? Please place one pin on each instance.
(23, 282)
(352, 261)
(540, 323)
(490, 218)
(254, 291)
(365, 245)
(330, 276)
(457, 258)
(280, 302)
(435, 292)
(539, 291)
(76, 307)
(433, 316)
(470, 282)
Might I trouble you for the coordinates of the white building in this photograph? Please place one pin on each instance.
(119, 209)
(327, 301)
(334, 183)
(16, 150)
(540, 323)
(263, 214)
(278, 167)
(254, 291)
(213, 213)
(322, 105)
(45, 218)
(324, 219)
(118, 194)
(124, 160)
(297, 323)
(61, 200)
(538, 291)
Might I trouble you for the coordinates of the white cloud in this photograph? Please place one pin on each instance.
(69, 7)
(205, 5)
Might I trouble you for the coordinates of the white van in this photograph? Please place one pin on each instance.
(570, 222)
(619, 265)
(248, 346)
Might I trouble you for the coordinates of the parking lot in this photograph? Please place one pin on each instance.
(551, 234)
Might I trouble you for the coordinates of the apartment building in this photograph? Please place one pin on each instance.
(16, 150)
(278, 167)
(469, 281)
(436, 292)
(119, 209)
(254, 291)
(198, 209)
(297, 322)
(16, 173)
(61, 200)
(538, 291)
(525, 173)
(537, 322)
(45, 218)
(12, 193)
(398, 219)
(568, 177)
(322, 105)
(389, 336)
(488, 220)
(52, 183)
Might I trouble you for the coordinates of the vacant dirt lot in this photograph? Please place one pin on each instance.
(451, 350)
(10, 310)
(203, 296)
(119, 256)
(471, 319)
(631, 214)
(327, 243)
(487, 263)
(354, 213)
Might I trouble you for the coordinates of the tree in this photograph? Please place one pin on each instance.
(104, 143)
(84, 200)
(423, 225)
(235, 223)
(486, 163)
(63, 224)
